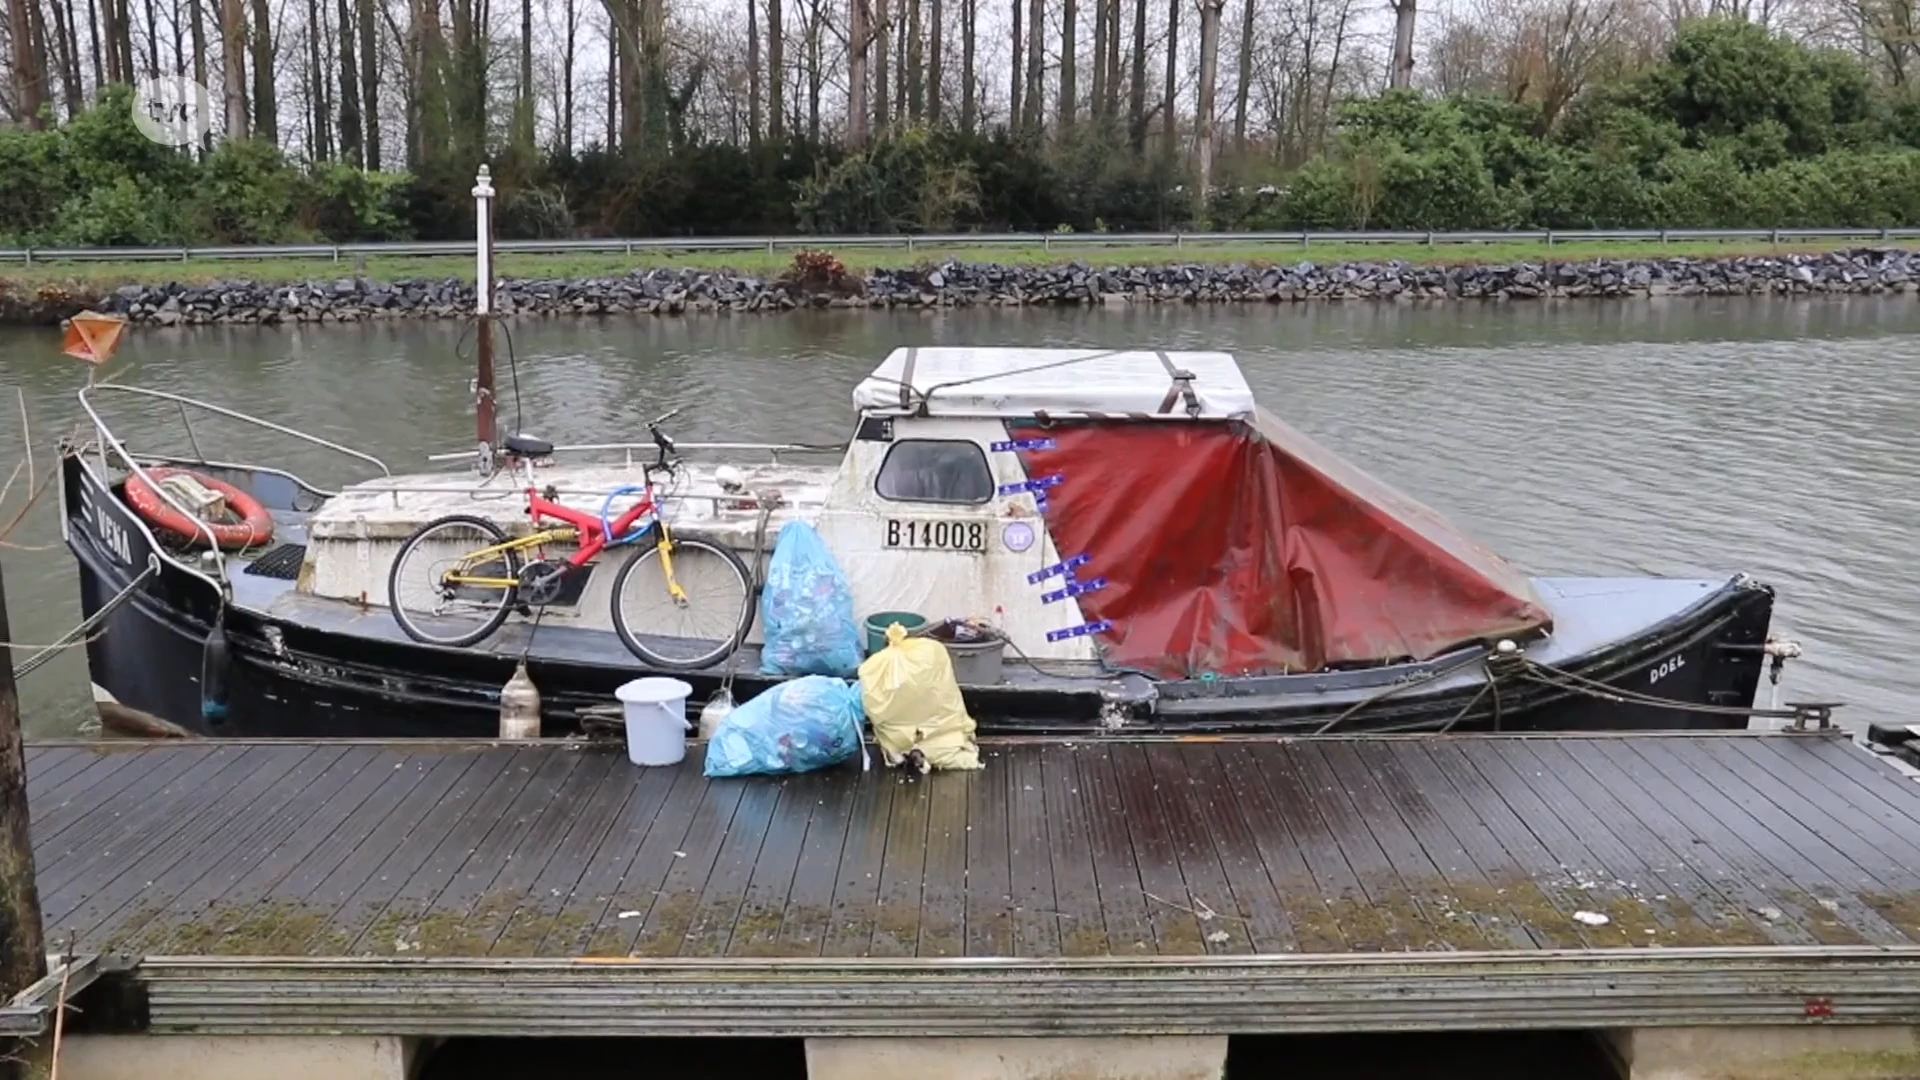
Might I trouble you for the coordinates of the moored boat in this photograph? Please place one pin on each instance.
(1159, 554)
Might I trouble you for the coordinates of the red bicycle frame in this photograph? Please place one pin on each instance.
(592, 535)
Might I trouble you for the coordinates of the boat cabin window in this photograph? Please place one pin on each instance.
(935, 470)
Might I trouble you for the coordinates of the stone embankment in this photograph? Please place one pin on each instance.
(665, 291)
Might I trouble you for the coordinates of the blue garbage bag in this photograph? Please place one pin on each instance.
(807, 609)
(808, 723)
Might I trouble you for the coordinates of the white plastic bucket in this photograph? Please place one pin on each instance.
(656, 711)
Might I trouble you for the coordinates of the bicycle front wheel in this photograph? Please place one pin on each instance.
(431, 588)
(683, 634)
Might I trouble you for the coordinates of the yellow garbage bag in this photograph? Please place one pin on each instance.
(914, 703)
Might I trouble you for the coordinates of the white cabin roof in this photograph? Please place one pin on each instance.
(1023, 382)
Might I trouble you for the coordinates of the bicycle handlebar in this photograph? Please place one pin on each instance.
(660, 438)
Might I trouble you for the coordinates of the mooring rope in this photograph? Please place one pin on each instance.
(82, 633)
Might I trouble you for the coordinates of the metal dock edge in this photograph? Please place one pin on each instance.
(987, 998)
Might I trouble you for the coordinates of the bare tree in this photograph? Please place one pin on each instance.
(969, 79)
(265, 118)
(1137, 93)
(29, 75)
(882, 41)
(776, 71)
(1169, 129)
(1018, 68)
(935, 56)
(1036, 61)
(859, 32)
(370, 80)
(233, 71)
(352, 148)
(914, 72)
(1203, 106)
(1401, 75)
(1069, 32)
(753, 72)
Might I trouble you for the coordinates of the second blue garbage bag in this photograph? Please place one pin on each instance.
(807, 609)
(808, 723)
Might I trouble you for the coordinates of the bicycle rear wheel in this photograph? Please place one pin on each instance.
(434, 611)
(683, 636)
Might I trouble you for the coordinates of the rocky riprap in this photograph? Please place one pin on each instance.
(672, 292)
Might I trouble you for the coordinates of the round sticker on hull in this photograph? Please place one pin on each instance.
(1018, 536)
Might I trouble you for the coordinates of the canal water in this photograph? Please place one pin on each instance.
(1670, 436)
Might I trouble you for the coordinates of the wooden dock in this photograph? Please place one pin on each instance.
(1092, 888)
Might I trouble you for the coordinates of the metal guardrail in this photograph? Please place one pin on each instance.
(910, 243)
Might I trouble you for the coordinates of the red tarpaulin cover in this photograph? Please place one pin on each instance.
(1235, 548)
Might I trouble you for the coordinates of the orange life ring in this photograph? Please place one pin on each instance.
(255, 526)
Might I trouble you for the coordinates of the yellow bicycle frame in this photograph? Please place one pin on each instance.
(460, 576)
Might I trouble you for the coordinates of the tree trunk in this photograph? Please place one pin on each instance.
(776, 71)
(317, 119)
(881, 43)
(1245, 90)
(66, 58)
(935, 62)
(1014, 114)
(198, 25)
(29, 74)
(233, 67)
(1169, 127)
(653, 74)
(266, 124)
(1036, 65)
(1137, 91)
(896, 22)
(523, 126)
(1203, 106)
(816, 72)
(123, 22)
(153, 42)
(23, 951)
(1112, 102)
(1097, 99)
(569, 52)
(1069, 46)
(93, 39)
(753, 73)
(179, 39)
(428, 135)
(969, 81)
(859, 32)
(352, 147)
(369, 83)
(613, 84)
(916, 68)
(1401, 76)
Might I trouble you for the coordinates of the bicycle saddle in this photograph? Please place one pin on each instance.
(527, 446)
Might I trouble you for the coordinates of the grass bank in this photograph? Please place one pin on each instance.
(100, 276)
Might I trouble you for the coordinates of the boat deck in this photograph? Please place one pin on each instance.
(1088, 849)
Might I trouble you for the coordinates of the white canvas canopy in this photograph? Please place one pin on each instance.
(1058, 382)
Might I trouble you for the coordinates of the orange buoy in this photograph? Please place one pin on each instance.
(255, 526)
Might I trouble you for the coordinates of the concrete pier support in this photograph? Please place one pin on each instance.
(1130, 1058)
(1800, 1052)
(237, 1057)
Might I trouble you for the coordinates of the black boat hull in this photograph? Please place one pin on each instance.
(149, 664)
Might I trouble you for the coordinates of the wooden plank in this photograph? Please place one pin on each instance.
(1365, 923)
(146, 809)
(1716, 821)
(677, 893)
(1546, 893)
(660, 803)
(1649, 910)
(1856, 775)
(856, 888)
(51, 767)
(1709, 901)
(512, 888)
(763, 904)
(348, 859)
(720, 898)
(1415, 835)
(989, 873)
(391, 907)
(1482, 830)
(1170, 907)
(1123, 908)
(1881, 853)
(1036, 926)
(896, 916)
(1076, 888)
(1570, 863)
(100, 783)
(1225, 923)
(1807, 780)
(600, 790)
(218, 910)
(159, 866)
(809, 912)
(1308, 914)
(943, 893)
